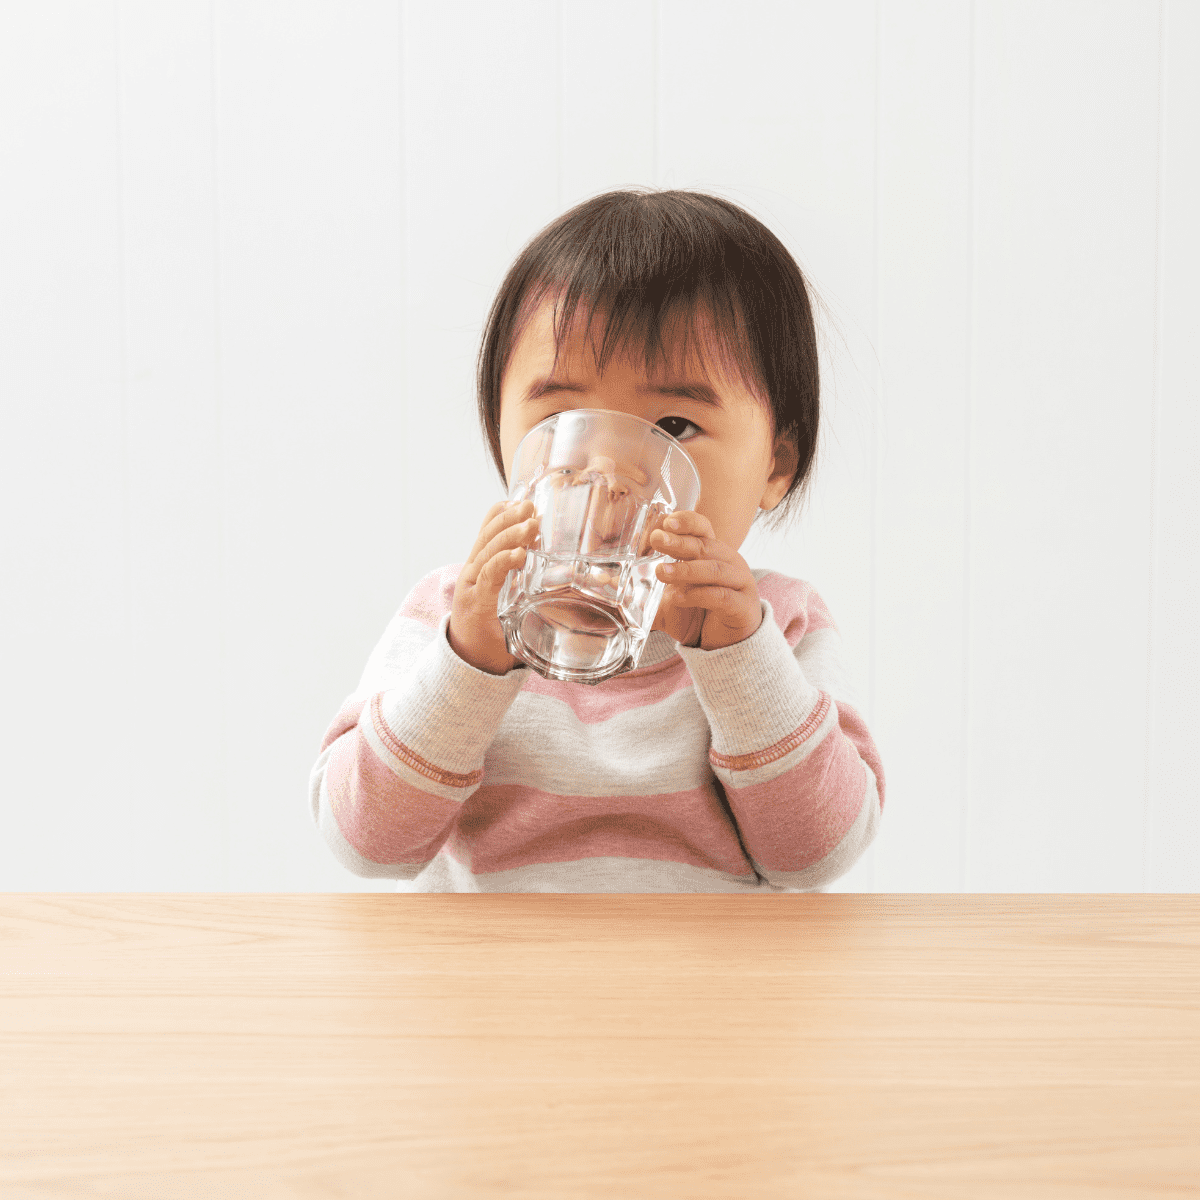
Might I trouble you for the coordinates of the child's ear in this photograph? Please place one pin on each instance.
(783, 470)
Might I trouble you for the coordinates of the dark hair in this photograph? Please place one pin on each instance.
(655, 260)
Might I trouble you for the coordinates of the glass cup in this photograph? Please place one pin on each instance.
(581, 607)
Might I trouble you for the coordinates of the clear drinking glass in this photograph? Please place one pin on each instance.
(581, 607)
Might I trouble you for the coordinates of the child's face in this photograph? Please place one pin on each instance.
(730, 441)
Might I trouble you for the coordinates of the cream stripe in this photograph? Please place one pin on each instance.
(657, 748)
(412, 759)
(761, 758)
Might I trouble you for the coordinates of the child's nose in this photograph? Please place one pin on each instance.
(608, 466)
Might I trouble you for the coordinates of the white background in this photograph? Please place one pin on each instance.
(246, 252)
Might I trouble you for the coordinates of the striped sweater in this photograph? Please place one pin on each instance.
(720, 770)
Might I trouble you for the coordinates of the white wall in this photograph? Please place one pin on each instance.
(246, 251)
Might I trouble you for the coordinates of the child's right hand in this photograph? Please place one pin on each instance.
(475, 632)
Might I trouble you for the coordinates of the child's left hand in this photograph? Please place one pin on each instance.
(711, 599)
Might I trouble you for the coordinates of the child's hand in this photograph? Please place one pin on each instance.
(711, 599)
(475, 633)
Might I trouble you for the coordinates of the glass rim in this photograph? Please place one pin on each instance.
(612, 412)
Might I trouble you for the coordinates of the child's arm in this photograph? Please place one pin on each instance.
(799, 768)
(406, 749)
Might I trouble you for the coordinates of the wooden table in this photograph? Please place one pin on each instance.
(411, 1046)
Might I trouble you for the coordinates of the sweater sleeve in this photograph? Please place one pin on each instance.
(406, 748)
(799, 768)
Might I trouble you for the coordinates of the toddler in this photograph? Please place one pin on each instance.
(732, 758)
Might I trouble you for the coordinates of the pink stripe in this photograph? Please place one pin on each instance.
(346, 718)
(855, 728)
(432, 597)
(381, 816)
(511, 826)
(797, 607)
(793, 821)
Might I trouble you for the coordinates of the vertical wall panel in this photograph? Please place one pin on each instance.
(309, 183)
(924, 277)
(606, 131)
(63, 604)
(1173, 858)
(1067, 99)
(173, 793)
(773, 106)
(481, 123)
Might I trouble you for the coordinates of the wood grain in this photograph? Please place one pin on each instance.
(598, 1046)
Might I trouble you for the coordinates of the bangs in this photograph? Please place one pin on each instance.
(669, 332)
(660, 285)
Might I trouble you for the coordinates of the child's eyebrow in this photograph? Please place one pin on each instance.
(689, 390)
(692, 391)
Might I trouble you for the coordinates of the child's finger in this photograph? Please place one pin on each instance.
(493, 574)
(692, 582)
(689, 522)
(688, 535)
(689, 546)
(499, 517)
(489, 519)
(713, 598)
(520, 533)
(705, 571)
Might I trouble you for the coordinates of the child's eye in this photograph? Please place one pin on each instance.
(677, 427)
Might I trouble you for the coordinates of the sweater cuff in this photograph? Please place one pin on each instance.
(447, 711)
(753, 692)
